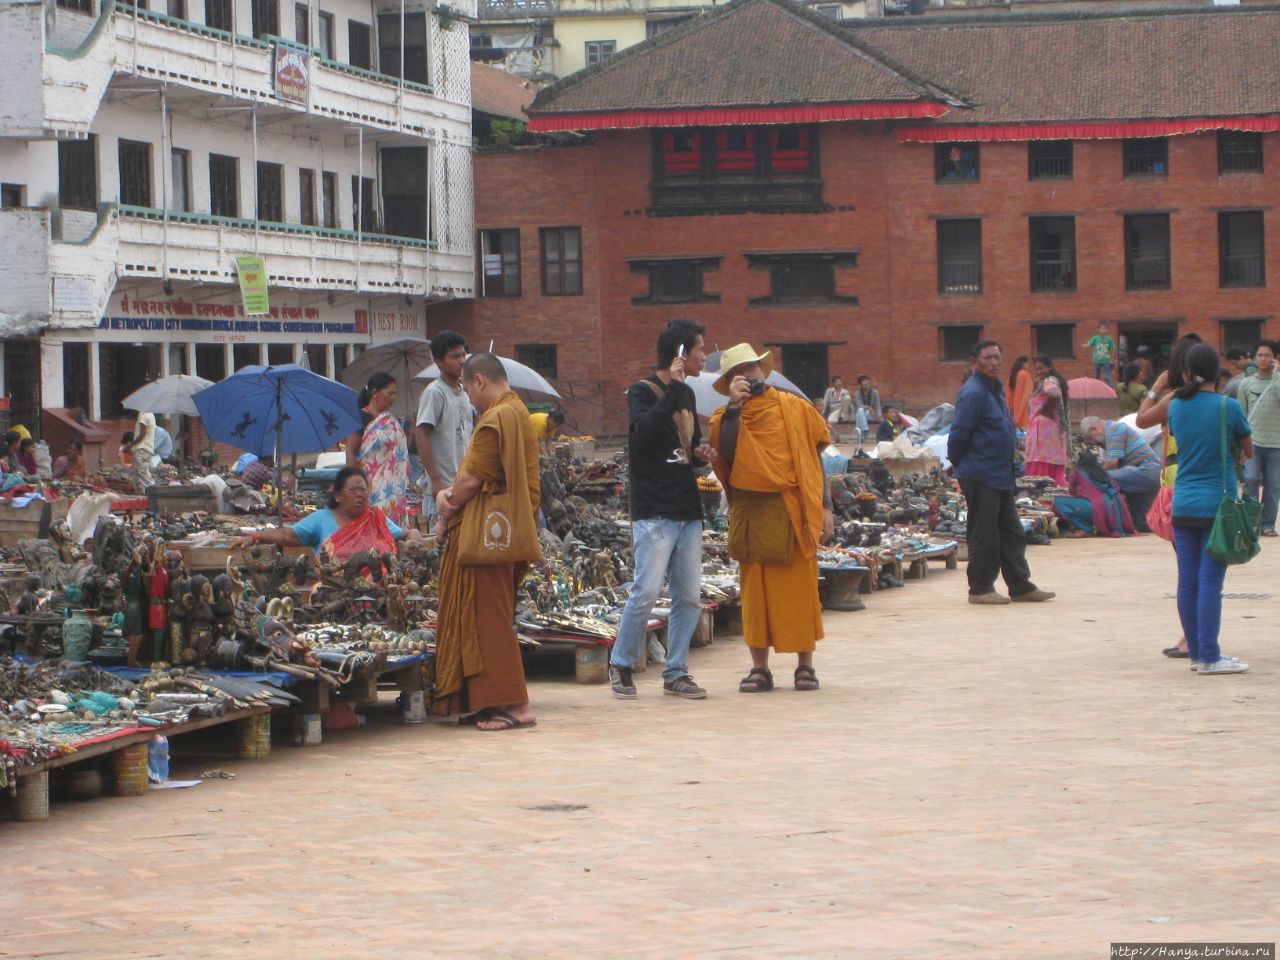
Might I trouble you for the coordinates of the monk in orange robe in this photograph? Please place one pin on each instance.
(1017, 393)
(478, 670)
(769, 464)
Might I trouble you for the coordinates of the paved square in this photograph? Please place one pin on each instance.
(1019, 782)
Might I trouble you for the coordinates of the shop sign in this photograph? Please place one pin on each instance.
(293, 72)
(252, 272)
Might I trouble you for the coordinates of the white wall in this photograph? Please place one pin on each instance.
(34, 164)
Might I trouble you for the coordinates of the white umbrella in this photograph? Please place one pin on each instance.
(709, 400)
(519, 377)
(396, 357)
(168, 395)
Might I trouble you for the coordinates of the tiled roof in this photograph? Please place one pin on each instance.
(1028, 69)
(749, 53)
(498, 93)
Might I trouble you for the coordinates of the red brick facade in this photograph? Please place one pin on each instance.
(884, 204)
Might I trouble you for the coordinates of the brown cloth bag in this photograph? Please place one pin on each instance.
(759, 527)
(498, 525)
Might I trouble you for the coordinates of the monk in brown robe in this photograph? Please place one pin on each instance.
(487, 519)
(769, 464)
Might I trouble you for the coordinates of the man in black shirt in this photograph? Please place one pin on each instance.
(663, 444)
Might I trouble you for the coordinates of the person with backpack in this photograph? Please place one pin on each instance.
(1261, 403)
(664, 444)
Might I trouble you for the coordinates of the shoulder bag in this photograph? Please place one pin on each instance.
(498, 525)
(1160, 516)
(759, 527)
(1235, 533)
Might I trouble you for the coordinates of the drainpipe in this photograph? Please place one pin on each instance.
(166, 173)
(255, 179)
(359, 202)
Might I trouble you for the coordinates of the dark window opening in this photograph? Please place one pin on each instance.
(959, 256)
(729, 169)
(302, 24)
(75, 376)
(1053, 253)
(307, 197)
(806, 365)
(499, 263)
(415, 46)
(957, 342)
(561, 261)
(829, 10)
(316, 355)
(1147, 251)
(339, 360)
(211, 361)
(270, 192)
(1241, 334)
(122, 369)
(245, 355)
(178, 9)
(1058, 340)
(180, 168)
(598, 50)
(325, 27)
(955, 161)
(76, 6)
(405, 191)
(78, 174)
(329, 199)
(1148, 157)
(22, 379)
(217, 14)
(1239, 151)
(675, 280)
(1240, 249)
(1050, 159)
(279, 353)
(135, 173)
(540, 356)
(266, 18)
(359, 45)
(12, 195)
(802, 278)
(363, 210)
(224, 186)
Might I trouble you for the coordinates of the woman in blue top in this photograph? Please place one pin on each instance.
(1203, 480)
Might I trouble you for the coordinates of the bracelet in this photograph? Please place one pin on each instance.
(1152, 395)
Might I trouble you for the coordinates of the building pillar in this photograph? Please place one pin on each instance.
(95, 382)
(3, 392)
(165, 368)
(190, 347)
(51, 372)
(228, 359)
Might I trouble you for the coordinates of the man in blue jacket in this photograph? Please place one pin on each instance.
(981, 448)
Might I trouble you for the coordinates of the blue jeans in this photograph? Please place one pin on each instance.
(1102, 371)
(1200, 579)
(864, 428)
(1262, 474)
(664, 549)
(1139, 485)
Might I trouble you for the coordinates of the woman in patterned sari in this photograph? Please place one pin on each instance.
(1049, 427)
(349, 526)
(381, 447)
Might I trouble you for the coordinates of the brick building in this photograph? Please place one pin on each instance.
(875, 197)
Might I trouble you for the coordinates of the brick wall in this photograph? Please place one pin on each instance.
(885, 204)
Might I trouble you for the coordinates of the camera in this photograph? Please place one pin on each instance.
(757, 387)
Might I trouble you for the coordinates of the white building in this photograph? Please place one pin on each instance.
(142, 150)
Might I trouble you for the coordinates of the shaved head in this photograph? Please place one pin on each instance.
(485, 365)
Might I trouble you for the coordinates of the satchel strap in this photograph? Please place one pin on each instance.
(657, 391)
(1231, 490)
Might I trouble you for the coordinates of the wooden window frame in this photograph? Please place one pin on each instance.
(947, 169)
(1228, 155)
(135, 185)
(1257, 272)
(1040, 167)
(83, 195)
(964, 354)
(781, 264)
(652, 267)
(216, 159)
(558, 234)
(1131, 281)
(483, 287)
(949, 287)
(1140, 152)
(1041, 273)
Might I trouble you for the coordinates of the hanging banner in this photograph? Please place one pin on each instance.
(292, 72)
(252, 272)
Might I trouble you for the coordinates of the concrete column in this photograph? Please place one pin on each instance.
(228, 359)
(190, 347)
(165, 367)
(51, 374)
(3, 392)
(95, 383)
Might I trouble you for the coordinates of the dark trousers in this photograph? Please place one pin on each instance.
(997, 543)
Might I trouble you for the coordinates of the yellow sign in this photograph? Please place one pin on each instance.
(253, 285)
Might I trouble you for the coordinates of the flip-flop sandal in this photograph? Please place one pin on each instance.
(757, 680)
(508, 720)
(1175, 653)
(806, 678)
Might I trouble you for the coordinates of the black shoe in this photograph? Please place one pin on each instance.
(624, 687)
(684, 687)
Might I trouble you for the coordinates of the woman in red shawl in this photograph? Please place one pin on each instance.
(349, 526)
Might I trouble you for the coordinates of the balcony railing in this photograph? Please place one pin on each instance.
(1149, 272)
(1058, 273)
(960, 276)
(1242, 270)
(516, 9)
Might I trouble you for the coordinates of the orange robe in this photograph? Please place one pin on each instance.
(1019, 399)
(478, 662)
(777, 452)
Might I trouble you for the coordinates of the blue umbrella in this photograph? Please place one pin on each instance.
(277, 410)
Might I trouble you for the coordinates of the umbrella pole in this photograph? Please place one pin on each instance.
(279, 448)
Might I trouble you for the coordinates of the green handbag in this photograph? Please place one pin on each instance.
(1235, 534)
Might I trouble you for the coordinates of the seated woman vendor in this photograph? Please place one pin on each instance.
(349, 526)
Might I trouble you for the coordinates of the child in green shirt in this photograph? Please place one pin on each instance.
(1104, 349)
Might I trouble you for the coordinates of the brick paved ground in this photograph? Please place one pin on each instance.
(1026, 782)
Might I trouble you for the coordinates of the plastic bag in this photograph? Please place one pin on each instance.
(44, 462)
(158, 759)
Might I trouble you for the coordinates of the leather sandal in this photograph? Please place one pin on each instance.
(757, 680)
(806, 678)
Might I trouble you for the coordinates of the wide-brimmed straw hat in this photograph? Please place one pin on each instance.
(736, 356)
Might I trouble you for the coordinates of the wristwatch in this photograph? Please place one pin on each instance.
(1152, 395)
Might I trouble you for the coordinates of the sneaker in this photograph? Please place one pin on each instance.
(624, 688)
(1034, 596)
(992, 598)
(1223, 666)
(684, 687)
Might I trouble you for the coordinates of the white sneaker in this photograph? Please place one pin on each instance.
(1223, 666)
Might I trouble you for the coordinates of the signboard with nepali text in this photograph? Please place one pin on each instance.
(252, 272)
(292, 72)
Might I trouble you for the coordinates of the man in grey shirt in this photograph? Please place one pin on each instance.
(1238, 362)
(445, 417)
